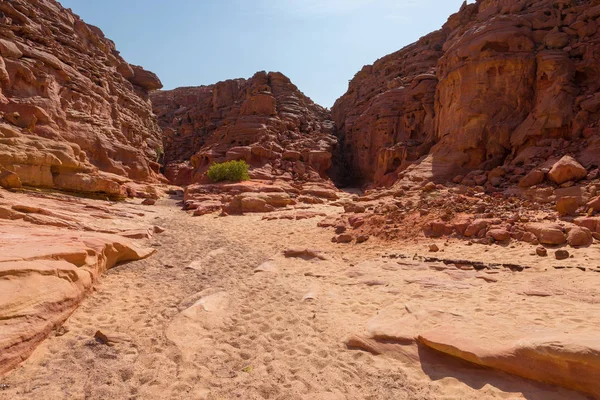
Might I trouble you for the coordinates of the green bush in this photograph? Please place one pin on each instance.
(233, 171)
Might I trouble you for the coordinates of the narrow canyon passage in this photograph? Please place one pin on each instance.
(220, 313)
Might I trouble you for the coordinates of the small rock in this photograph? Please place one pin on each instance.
(561, 254)
(306, 254)
(536, 293)
(594, 204)
(159, 229)
(268, 267)
(149, 202)
(344, 238)
(340, 229)
(429, 187)
(61, 331)
(110, 339)
(362, 238)
(433, 248)
(541, 251)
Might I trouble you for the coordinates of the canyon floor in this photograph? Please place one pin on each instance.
(220, 312)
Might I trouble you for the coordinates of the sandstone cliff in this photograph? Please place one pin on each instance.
(73, 114)
(264, 120)
(503, 83)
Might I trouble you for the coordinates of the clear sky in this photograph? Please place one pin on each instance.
(318, 44)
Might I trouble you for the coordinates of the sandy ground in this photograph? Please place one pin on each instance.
(198, 321)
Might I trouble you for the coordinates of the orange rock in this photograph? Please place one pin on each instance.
(547, 233)
(565, 360)
(567, 169)
(567, 205)
(533, 178)
(594, 204)
(578, 236)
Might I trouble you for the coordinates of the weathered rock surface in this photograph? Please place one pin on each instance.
(264, 120)
(566, 360)
(54, 248)
(73, 114)
(510, 339)
(512, 85)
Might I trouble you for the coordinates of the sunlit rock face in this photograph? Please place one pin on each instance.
(264, 120)
(503, 83)
(73, 114)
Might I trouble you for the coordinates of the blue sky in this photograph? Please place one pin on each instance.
(319, 44)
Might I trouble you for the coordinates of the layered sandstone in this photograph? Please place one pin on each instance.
(73, 114)
(511, 84)
(264, 120)
(54, 249)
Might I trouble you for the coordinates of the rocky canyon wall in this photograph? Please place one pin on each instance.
(73, 114)
(264, 120)
(503, 83)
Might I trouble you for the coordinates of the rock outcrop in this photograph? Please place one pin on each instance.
(264, 120)
(513, 84)
(54, 248)
(73, 114)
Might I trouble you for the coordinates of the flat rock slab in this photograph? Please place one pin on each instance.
(571, 361)
(518, 344)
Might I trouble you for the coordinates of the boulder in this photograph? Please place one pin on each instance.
(535, 177)
(567, 169)
(579, 236)
(9, 180)
(499, 234)
(549, 234)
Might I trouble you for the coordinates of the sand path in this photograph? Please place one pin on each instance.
(220, 313)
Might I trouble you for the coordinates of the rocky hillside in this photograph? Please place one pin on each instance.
(264, 120)
(510, 84)
(73, 114)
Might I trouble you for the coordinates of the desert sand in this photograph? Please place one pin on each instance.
(219, 312)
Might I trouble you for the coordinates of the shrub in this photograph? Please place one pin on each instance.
(233, 171)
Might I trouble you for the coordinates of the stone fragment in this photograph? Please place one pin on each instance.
(561, 254)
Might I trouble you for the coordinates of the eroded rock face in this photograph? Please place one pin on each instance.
(73, 114)
(264, 120)
(511, 84)
(54, 248)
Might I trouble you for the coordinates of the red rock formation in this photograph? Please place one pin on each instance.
(264, 120)
(73, 113)
(502, 83)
